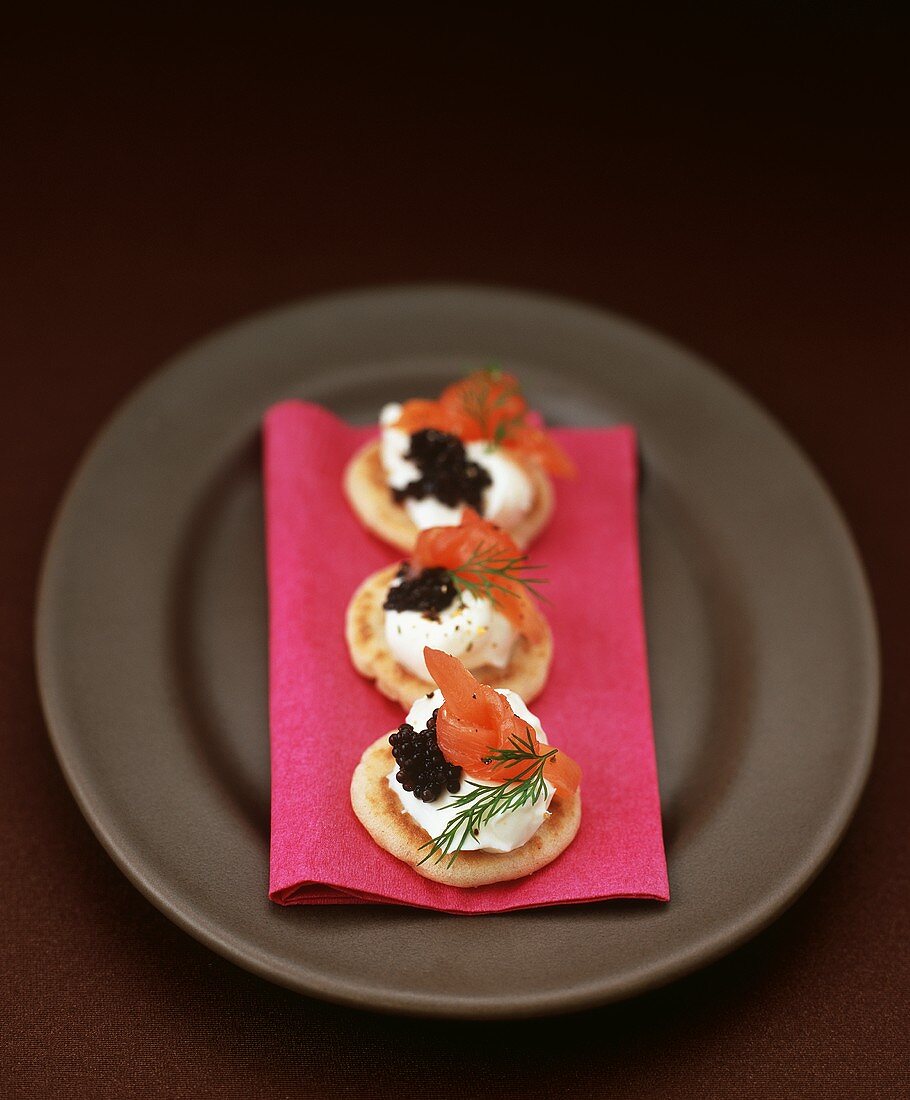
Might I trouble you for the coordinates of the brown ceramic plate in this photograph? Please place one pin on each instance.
(151, 650)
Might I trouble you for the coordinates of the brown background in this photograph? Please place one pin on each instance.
(742, 188)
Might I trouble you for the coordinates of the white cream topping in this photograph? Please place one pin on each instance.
(504, 832)
(505, 502)
(470, 628)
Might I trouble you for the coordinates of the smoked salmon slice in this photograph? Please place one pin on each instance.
(475, 722)
(487, 404)
(484, 556)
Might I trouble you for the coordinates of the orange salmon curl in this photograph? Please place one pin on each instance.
(488, 404)
(477, 541)
(475, 721)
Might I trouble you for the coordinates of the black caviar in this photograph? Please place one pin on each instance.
(429, 591)
(446, 472)
(421, 766)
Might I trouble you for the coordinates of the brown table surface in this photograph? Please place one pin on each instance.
(741, 188)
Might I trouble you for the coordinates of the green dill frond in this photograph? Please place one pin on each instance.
(478, 403)
(488, 566)
(482, 803)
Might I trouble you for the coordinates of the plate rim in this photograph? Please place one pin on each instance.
(547, 1003)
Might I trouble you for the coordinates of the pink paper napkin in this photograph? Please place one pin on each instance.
(323, 714)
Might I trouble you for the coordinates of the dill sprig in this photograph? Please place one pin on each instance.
(478, 403)
(488, 566)
(503, 429)
(476, 807)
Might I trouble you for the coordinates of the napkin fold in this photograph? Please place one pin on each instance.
(323, 714)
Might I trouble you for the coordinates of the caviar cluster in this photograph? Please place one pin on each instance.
(429, 591)
(421, 766)
(445, 471)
